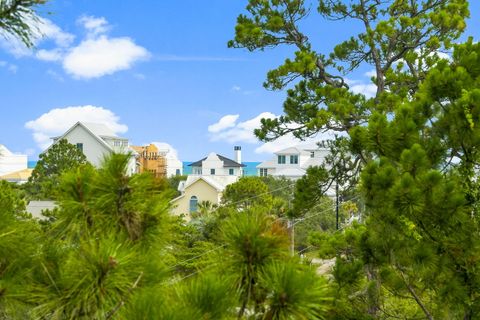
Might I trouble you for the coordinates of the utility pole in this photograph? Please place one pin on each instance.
(292, 237)
(336, 207)
(292, 228)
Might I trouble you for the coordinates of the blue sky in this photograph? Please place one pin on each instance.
(170, 78)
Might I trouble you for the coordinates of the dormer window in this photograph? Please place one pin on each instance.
(294, 159)
(282, 159)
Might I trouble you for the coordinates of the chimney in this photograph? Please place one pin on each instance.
(238, 154)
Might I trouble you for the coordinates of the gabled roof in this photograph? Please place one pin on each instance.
(290, 150)
(4, 151)
(87, 128)
(219, 183)
(267, 164)
(226, 162)
(100, 130)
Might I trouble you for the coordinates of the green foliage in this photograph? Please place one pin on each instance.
(60, 157)
(247, 192)
(414, 146)
(210, 296)
(11, 200)
(253, 240)
(18, 245)
(294, 292)
(17, 19)
(400, 40)
(91, 281)
(105, 241)
(309, 189)
(174, 181)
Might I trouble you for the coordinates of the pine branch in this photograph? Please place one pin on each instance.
(112, 312)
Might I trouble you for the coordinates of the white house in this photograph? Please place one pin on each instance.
(11, 162)
(210, 176)
(97, 141)
(292, 163)
(174, 165)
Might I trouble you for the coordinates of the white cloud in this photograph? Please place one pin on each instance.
(56, 121)
(49, 30)
(238, 89)
(236, 132)
(94, 25)
(371, 73)
(172, 153)
(55, 75)
(9, 66)
(139, 76)
(242, 132)
(43, 30)
(225, 122)
(368, 89)
(12, 68)
(50, 55)
(95, 58)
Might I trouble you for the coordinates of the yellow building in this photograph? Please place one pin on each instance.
(210, 176)
(19, 177)
(149, 159)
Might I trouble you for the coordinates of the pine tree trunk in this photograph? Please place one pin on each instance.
(374, 296)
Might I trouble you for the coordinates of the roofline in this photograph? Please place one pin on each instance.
(219, 155)
(206, 181)
(88, 130)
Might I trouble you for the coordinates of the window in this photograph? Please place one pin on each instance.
(312, 154)
(263, 172)
(281, 160)
(80, 146)
(116, 143)
(212, 172)
(294, 159)
(177, 172)
(231, 171)
(124, 143)
(193, 204)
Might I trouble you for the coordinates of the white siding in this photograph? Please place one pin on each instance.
(94, 150)
(10, 162)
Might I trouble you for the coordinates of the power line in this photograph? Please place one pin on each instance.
(319, 213)
(196, 257)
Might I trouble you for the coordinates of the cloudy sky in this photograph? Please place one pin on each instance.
(152, 71)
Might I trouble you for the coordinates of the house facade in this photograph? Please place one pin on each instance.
(11, 162)
(210, 176)
(97, 141)
(292, 163)
(174, 165)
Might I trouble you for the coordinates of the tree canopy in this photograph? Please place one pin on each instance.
(412, 147)
(60, 157)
